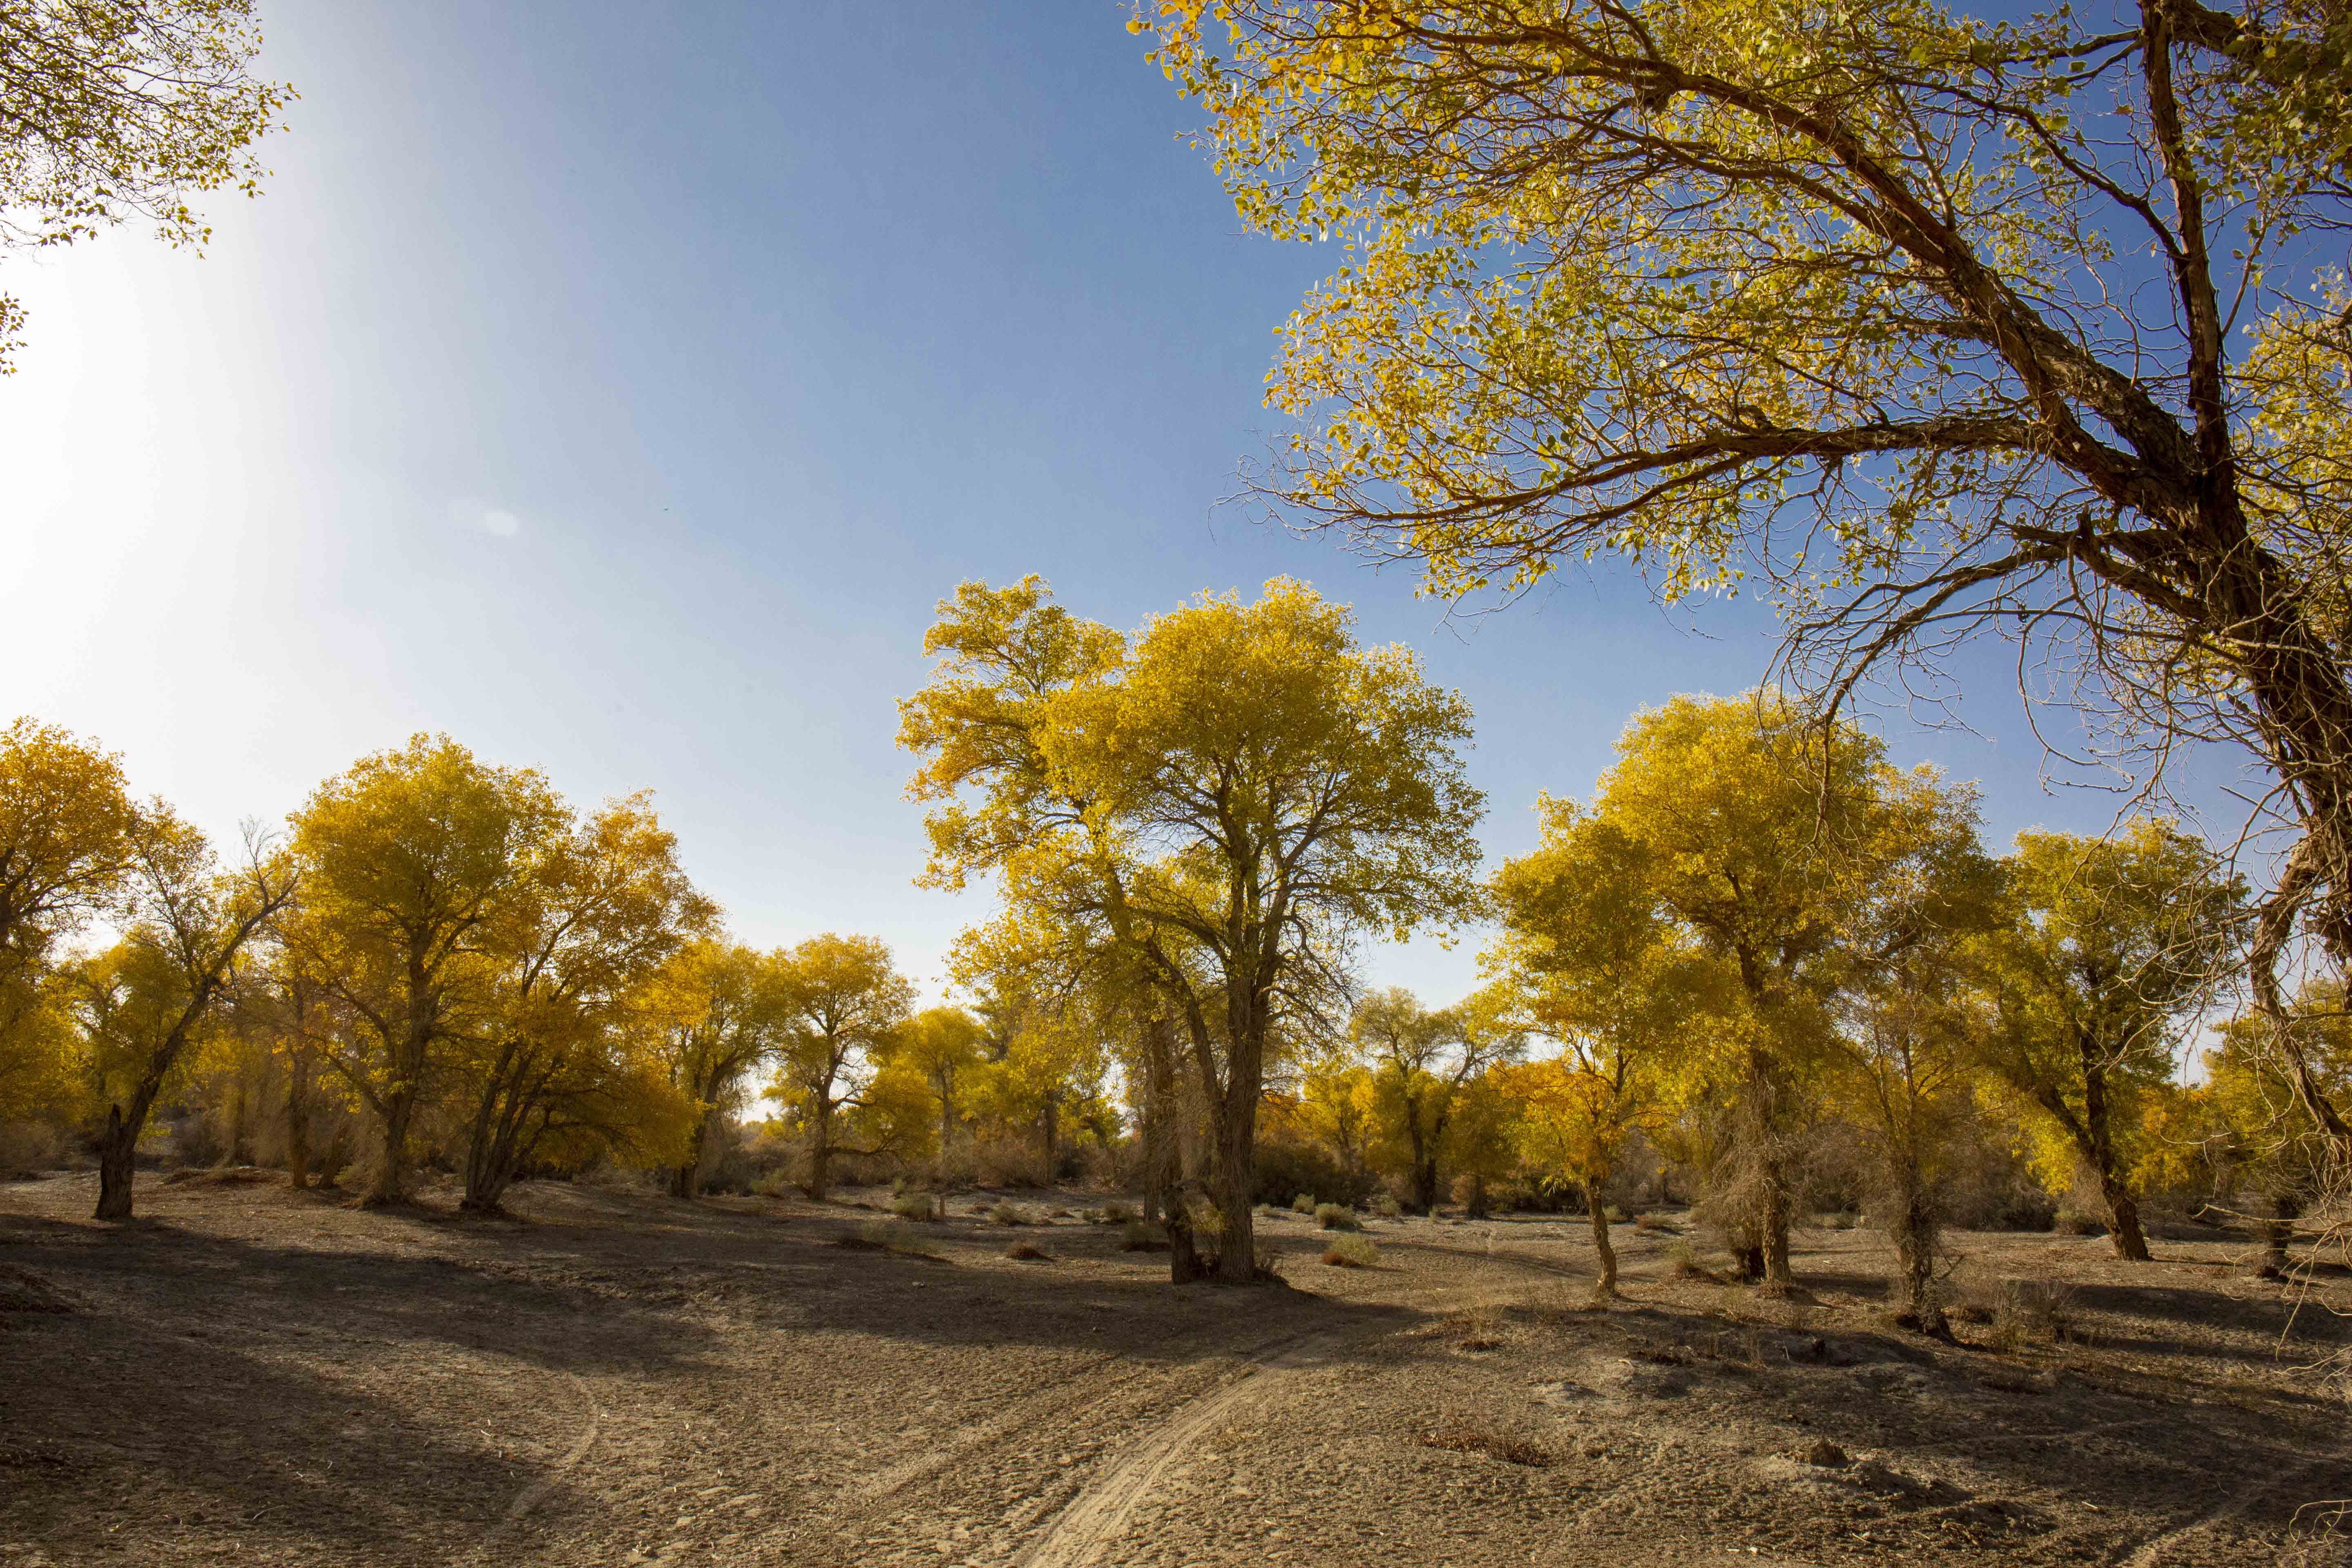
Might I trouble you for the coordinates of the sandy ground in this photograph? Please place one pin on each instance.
(255, 1375)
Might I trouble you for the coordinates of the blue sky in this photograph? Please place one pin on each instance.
(617, 389)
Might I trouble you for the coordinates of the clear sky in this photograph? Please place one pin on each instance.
(617, 388)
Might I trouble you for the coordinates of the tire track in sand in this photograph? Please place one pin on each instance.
(1098, 1517)
(530, 1497)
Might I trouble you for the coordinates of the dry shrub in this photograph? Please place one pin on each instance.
(1351, 1252)
(1009, 1214)
(23, 1292)
(1686, 1266)
(1385, 1205)
(1337, 1216)
(1464, 1434)
(915, 1207)
(228, 1176)
(1478, 1328)
(1028, 1251)
(2036, 1311)
(28, 1148)
(886, 1235)
(1116, 1213)
(1137, 1236)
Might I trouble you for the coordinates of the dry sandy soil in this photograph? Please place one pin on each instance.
(255, 1375)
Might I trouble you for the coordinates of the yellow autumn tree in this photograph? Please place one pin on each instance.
(1225, 800)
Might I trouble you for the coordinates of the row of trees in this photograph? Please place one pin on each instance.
(1930, 325)
(1739, 945)
(442, 957)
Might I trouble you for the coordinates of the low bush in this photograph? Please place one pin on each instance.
(1116, 1213)
(1009, 1214)
(1686, 1266)
(2038, 1312)
(915, 1206)
(886, 1235)
(1465, 1434)
(1337, 1216)
(774, 1184)
(1351, 1252)
(1386, 1205)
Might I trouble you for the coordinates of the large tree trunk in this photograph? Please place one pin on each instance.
(686, 1180)
(2123, 1213)
(1913, 1223)
(118, 1149)
(297, 1124)
(389, 1182)
(1604, 1253)
(1236, 1173)
(2286, 1207)
(820, 1176)
(1424, 1184)
(2123, 1219)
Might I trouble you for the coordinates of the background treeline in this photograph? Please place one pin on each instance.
(1762, 968)
(442, 965)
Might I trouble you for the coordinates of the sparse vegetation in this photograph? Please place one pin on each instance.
(1351, 1252)
(1337, 1216)
(1471, 1435)
(1010, 1212)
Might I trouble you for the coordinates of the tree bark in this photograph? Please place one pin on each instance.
(1604, 1252)
(389, 1182)
(820, 1149)
(686, 1180)
(118, 1149)
(1914, 1251)
(2123, 1213)
(2286, 1207)
(297, 1124)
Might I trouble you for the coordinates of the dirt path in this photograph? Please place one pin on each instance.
(1087, 1528)
(254, 1375)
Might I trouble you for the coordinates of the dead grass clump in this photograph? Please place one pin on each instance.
(1337, 1216)
(1478, 1328)
(915, 1207)
(226, 1176)
(2036, 1311)
(1137, 1236)
(1009, 1212)
(23, 1293)
(1027, 1251)
(1686, 1266)
(1462, 1434)
(885, 1235)
(1352, 1252)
